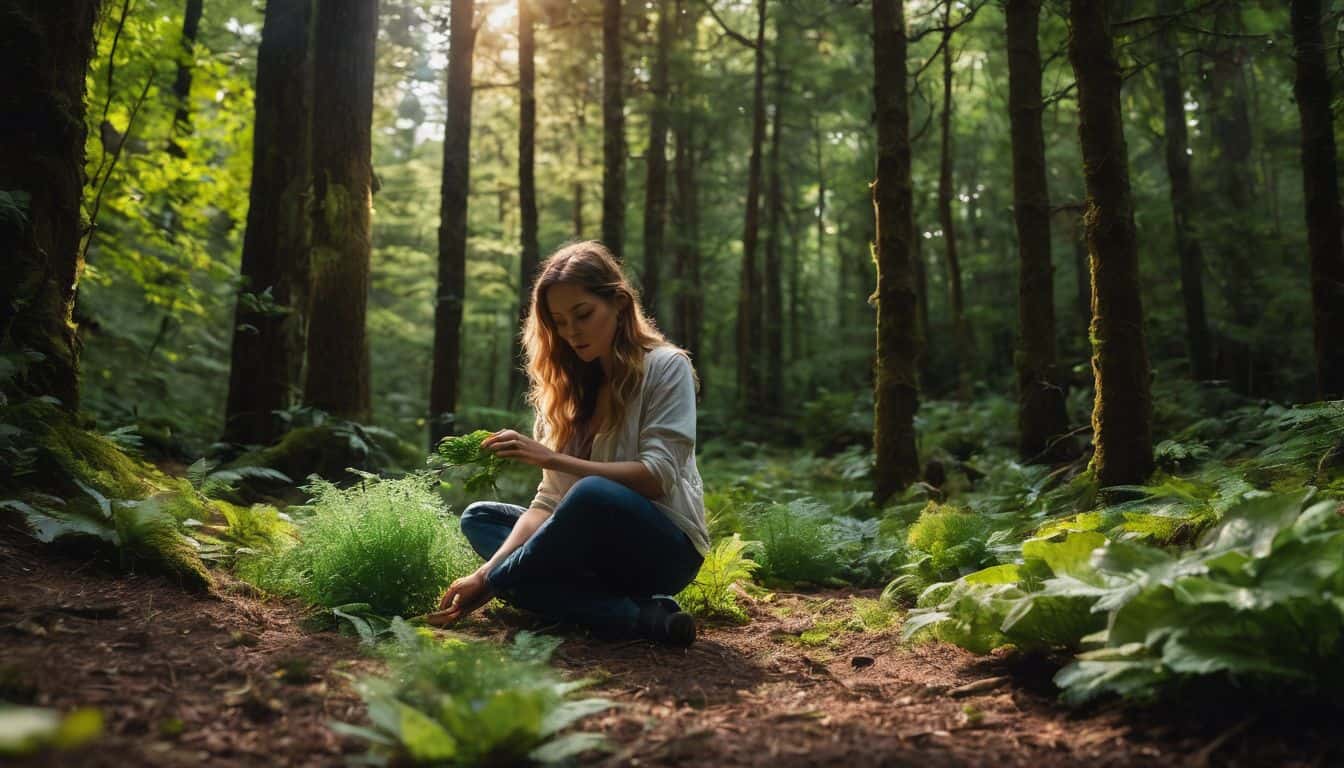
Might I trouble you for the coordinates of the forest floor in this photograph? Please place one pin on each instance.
(231, 679)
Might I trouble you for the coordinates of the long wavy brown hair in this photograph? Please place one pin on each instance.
(564, 388)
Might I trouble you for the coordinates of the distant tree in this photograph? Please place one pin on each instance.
(337, 371)
(895, 389)
(445, 380)
(271, 311)
(688, 296)
(530, 255)
(772, 293)
(655, 158)
(749, 307)
(1122, 411)
(191, 23)
(1182, 200)
(960, 329)
(1320, 183)
(44, 52)
(1040, 398)
(613, 131)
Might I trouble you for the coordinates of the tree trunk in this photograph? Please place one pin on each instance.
(267, 356)
(749, 290)
(44, 52)
(527, 189)
(956, 301)
(613, 131)
(1041, 414)
(580, 121)
(191, 23)
(446, 380)
(1122, 412)
(1231, 131)
(895, 389)
(655, 187)
(1320, 184)
(338, 351)
(773, 288)
(1183, 204)
(688, 307)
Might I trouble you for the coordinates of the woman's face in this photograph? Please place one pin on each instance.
(586, 321)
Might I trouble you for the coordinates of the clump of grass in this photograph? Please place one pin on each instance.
(465, 450)
(449, 702)
(711, 594)
(388, 543)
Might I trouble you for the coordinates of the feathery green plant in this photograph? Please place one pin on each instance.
(711, 594)
(450, 702)
(465, 450)
(796, 543)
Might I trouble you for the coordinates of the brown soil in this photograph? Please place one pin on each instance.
(229, 679)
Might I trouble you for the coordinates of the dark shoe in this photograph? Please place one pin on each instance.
(662, 621)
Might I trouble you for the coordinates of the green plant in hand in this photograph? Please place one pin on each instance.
(465, 450)
(449, 702)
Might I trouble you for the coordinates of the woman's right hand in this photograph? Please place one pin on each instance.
(462, 597)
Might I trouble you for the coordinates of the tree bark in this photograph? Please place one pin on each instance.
(1183, 204)
(191, 23)
(267, 356)
(45, 47)
(688, 307)
(527, 189)
(1122, 411)
(1231, 131)
(445, 381)
(895, 388)
(655, 187)
(773, 288)
(749, 286)
(956, 301)
(613, 131)
(1320, 184)
(1041, 414)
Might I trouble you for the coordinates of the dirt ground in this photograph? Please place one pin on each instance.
(229, 679)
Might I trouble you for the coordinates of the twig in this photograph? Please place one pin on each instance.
(726, 29)
(102, 184)
(112, 56)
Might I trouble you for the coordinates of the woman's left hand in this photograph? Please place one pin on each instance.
(514, 445)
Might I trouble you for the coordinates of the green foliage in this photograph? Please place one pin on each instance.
(953, 539)
(796, 544)
(388, 543)
(449, 702)
(28, 730)
(465, 450)
(711, 594)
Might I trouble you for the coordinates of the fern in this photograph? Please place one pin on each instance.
(711, 594)
(465, 450)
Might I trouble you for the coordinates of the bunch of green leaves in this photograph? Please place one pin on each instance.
(450, 702)
(797, 543)
(465, 450)
(389, 543)
(711, 594)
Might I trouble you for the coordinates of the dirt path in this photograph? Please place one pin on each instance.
(232, 680)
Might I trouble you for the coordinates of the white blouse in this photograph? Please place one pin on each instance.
(662, 439)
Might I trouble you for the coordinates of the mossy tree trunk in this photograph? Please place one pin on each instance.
(527, 187)
(749, 307)
(613, 131)
(1320, 183)
(337, 375)
(655, 158)
(895, 389)
(1040, 399)
(1182, 203)
(688, 303)
(268, 337)
(1122, 411)
(956, 300)
(773, 285)
(445, 379)
(44, 52)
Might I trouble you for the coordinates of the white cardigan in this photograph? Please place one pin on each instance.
(662, 439)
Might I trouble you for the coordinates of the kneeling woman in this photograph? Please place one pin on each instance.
(618, 522)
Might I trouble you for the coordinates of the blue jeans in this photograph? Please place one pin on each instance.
(604, 551)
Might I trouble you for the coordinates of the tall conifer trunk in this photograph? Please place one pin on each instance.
(44, 53)
(773, 287)
(688, 304)
(895, 388)
(1320, 183)
(956, 301)
(1122, 412)
(267, 356)
(337, 379)
(445, 380)
(1040, 415)
(613, 131)
(749, 287)
(655, 186)
(527, 187)
(191, 23)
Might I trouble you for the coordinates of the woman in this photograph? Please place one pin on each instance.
(618, 521)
